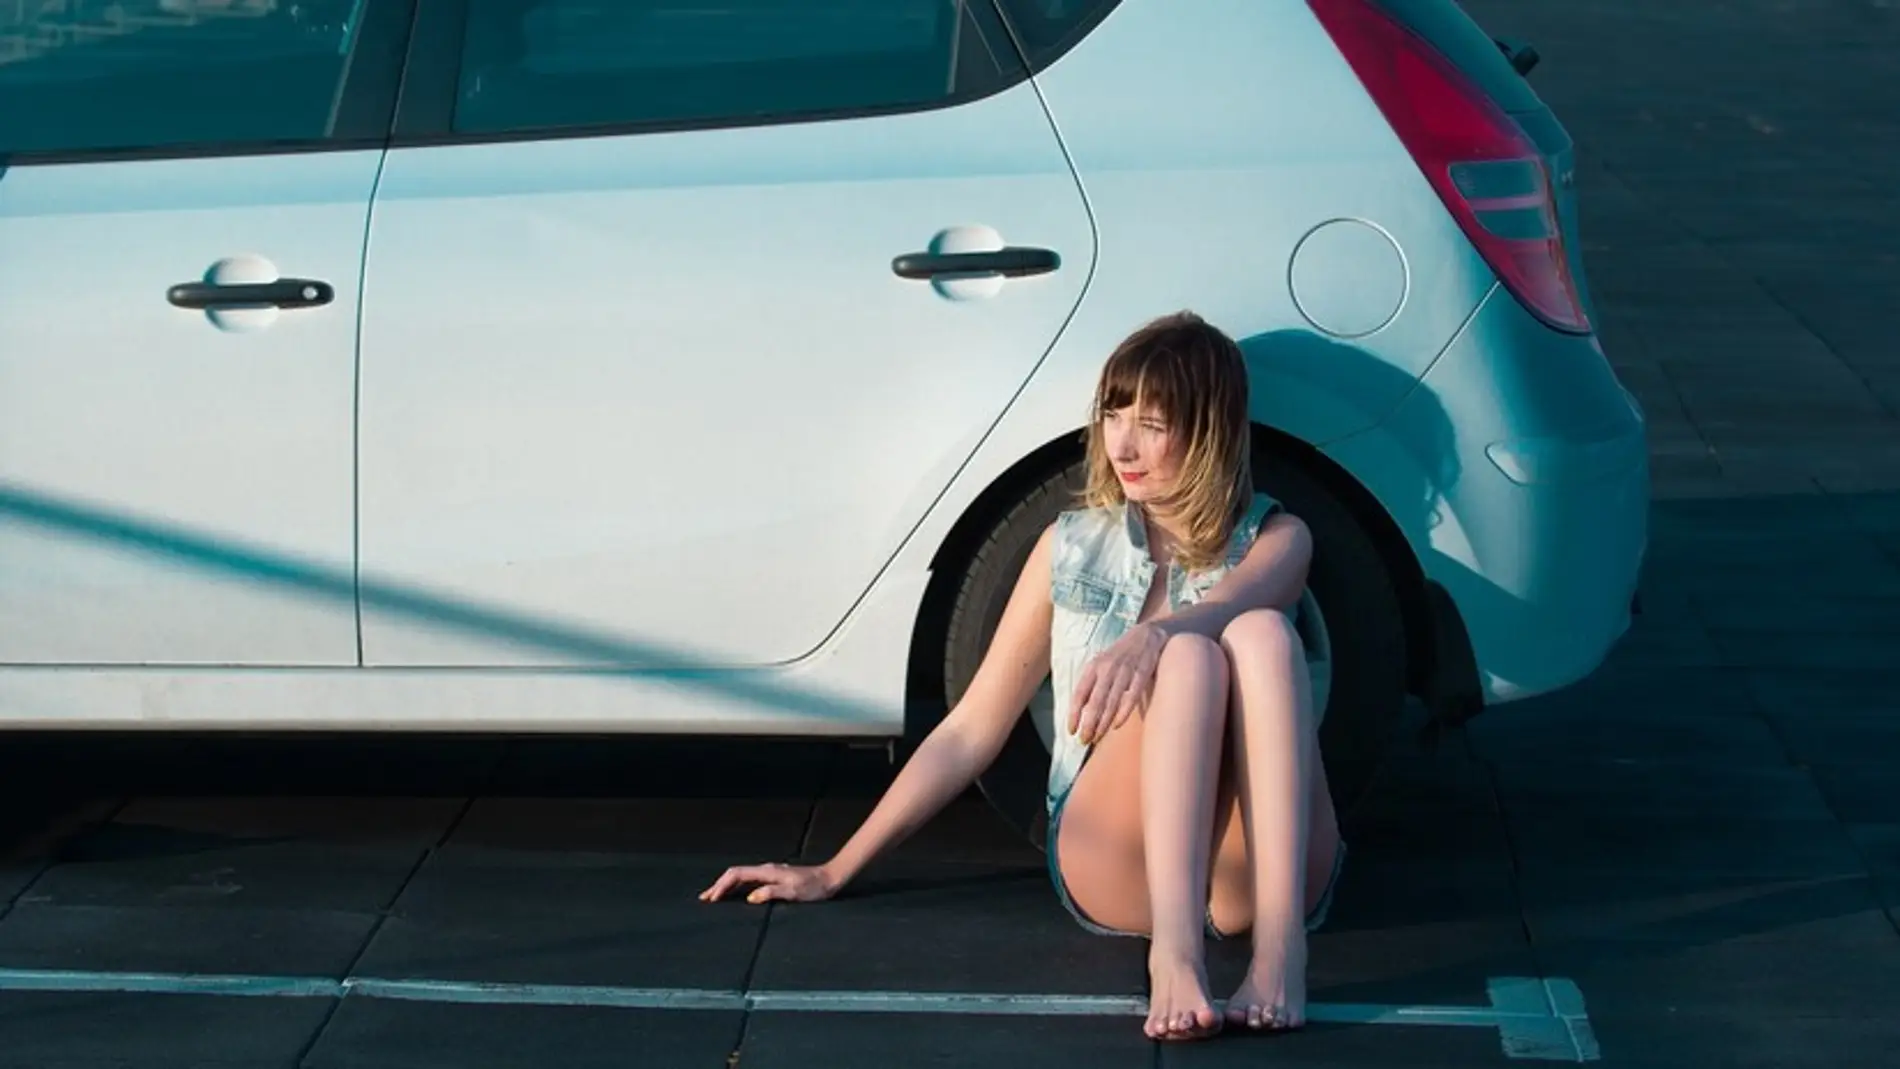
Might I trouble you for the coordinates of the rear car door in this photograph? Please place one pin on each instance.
(657, 365)
(184, 186)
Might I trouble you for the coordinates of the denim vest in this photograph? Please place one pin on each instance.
(1100, 577)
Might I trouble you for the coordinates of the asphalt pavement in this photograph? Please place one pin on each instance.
(1693, 858)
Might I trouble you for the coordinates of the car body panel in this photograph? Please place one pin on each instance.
(666, 389)
(853, 688)
(1519, 473)
(177, 492)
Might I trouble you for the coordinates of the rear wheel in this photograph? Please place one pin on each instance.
(1349, 620)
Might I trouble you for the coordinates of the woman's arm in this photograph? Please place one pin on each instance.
(1270, 576)
(957, 750)
(949, 759)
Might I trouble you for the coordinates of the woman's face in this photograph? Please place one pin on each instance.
(1144, 450)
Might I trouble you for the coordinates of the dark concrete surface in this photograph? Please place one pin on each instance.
(1704, 837)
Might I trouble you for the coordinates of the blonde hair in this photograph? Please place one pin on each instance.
(1195, 378)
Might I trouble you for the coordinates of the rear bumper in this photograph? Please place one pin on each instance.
(1518, 471)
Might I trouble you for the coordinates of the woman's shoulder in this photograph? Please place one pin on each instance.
(1086, 516)
(1259, 510)
(1263, 506)
(1085, 525)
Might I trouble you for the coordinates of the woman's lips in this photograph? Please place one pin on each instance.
(1130, 476)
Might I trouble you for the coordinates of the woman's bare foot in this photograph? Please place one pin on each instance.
(1178, 1005)
(1273, 997)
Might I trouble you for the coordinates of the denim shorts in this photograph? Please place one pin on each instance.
(1314, 919)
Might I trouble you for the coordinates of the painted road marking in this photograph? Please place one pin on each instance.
(1538, 1019)
(1543, 1020)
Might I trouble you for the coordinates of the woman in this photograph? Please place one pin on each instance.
(1186, 793)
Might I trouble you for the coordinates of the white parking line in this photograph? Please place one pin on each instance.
(1543, 1019)
(1536, 1019)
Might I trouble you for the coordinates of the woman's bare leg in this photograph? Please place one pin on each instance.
(1275, 755)
(1137, 830)
(1230, 900)
(1180, 768)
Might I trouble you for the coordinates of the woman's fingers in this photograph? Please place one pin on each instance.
(1112, 691)
(1089, 690)
(1130, 704)
(1126, 697)
(1101, 708)
(735, 876)
(1113, 687)
(789, 884)
(720, 886)
(1117, 695)
(1098, 723)
(1079, 701)
(711, 894)
(1087, 702)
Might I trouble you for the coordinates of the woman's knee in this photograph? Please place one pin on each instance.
(1194, 670)
(1195, 656)
(1262, 635)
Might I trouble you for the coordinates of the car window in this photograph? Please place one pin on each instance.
(83, 75)
(541, 64)
(1048, 28)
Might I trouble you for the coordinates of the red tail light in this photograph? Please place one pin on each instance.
(1486, 169)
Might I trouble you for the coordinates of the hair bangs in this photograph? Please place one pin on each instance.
(1150, 379)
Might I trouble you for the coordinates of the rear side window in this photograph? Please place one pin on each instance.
(81, 76)
(547, 64)
(1048, 28)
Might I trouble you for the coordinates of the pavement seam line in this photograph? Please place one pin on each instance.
(1773, 292)
(1807, 769)
(1516, 865)
(382, 916)
(736, 1054)
(60, 835)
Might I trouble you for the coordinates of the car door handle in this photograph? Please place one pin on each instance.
(283, 293)
(1012, 262)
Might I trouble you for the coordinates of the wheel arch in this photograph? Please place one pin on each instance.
(924, 702)
(1402, 565)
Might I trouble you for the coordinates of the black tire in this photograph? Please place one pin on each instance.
(1365, 626)
(1348, 581)
(1016, 783)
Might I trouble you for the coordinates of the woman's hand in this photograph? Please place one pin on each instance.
(776, 883)
(1117, 683)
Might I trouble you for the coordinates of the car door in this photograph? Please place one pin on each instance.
(660, 361)
(183, 193)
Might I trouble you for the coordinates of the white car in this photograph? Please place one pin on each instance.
(680, 366)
